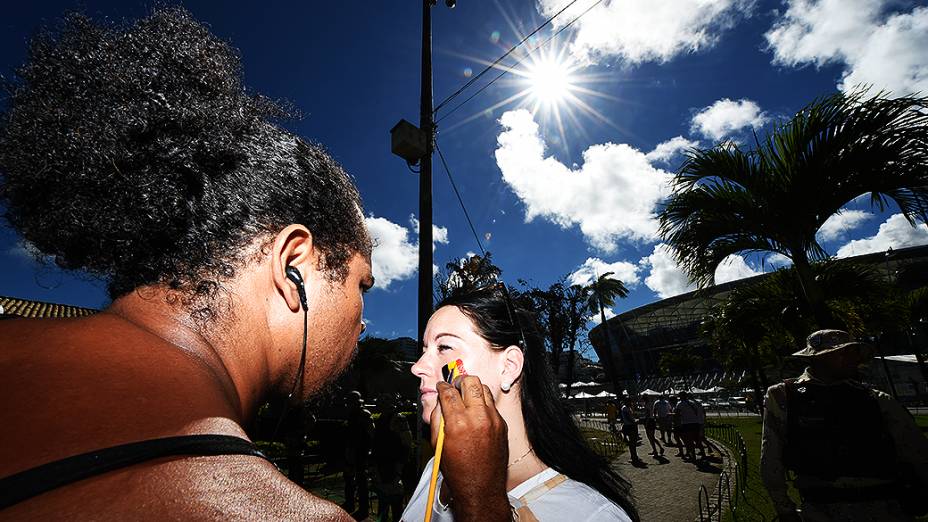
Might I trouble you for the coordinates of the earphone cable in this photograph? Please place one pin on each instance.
(298, 380)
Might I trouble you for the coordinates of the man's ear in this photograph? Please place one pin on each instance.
(293, 246)
(513, 361)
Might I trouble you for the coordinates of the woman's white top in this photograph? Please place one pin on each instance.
(568, 500)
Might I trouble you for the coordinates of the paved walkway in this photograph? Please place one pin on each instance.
(666, 488)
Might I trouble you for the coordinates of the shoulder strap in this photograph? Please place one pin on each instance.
(40, 479)
(523, 512)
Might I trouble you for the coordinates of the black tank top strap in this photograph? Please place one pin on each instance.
(38, 480)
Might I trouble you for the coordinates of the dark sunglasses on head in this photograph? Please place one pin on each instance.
(500, 287)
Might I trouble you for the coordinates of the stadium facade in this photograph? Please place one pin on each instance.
(640, 336)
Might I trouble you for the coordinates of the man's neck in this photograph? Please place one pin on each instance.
(828, 376)
(235, 365)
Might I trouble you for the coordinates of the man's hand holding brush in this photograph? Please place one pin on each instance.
(475, 450)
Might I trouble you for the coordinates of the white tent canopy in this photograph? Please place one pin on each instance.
(650, 392)
(910, 358)
(604, 394)
(583, 395)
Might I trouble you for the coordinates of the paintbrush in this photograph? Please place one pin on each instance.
(449, 372)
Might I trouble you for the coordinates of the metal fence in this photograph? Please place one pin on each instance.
(730, 489)
(606, 442)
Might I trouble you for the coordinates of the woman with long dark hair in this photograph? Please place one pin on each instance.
(551, 472)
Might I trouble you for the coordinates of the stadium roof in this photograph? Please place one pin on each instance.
(672, 321)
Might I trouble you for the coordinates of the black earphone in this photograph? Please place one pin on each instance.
(294, 275)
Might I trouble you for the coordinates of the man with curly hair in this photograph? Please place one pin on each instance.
(135, 154)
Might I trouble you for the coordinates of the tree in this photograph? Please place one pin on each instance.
(562, 313)
(466, 275)
(677, 362)
(760, 323)
(775, 197)
(601, 294)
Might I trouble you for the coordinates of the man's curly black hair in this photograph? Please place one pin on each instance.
(134, 152)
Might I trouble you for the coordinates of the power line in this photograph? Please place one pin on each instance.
(461, 201)
(516, 63)
(492, 65)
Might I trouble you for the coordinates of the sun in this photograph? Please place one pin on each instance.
(549, 80)
(545, 78)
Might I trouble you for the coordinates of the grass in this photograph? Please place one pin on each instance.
(603, 443)
(757, 504)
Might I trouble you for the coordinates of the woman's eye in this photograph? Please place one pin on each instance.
(443, 347)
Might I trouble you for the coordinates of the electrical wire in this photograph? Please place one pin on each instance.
(461, 201)
(516, 63)
(501, 58)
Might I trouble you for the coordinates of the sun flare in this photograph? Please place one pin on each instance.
(549, 80)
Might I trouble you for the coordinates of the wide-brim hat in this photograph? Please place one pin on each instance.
(828, 341)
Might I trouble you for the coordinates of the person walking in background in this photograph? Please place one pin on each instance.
(357, 451)
(687, 414)
(612, 414)
(650, 425)
(661, 410)
(630, 429)
(701, 442)
(856, 454)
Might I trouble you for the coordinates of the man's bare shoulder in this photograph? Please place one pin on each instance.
(195, 488)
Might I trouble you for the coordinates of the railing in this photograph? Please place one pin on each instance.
(734, 480)
(606, 444)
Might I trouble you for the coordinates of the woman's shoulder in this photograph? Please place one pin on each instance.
(576, 501)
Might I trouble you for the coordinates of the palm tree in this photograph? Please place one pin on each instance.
(775, 198)
(601, 294)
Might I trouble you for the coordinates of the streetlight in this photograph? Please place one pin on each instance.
(415, 145)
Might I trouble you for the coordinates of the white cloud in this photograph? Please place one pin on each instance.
(666, 278)
(838, 225)
(876, 46)
(612, 196)
(638, 31)
(395, 257)
(895, 232)
(597, 319)
(594, 267)
(732, 268)
(726, 116)
(667, 150)
(439, 234)
(777, 260)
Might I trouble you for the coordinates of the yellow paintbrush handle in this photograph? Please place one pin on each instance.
(436, 462)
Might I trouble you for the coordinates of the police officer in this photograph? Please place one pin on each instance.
(856, 453)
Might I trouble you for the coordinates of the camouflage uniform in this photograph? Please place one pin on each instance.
(827, 493)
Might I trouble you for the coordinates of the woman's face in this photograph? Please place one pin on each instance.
(450, 335)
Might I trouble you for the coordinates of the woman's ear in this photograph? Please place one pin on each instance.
(513, 361)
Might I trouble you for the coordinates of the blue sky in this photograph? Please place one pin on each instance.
(547, 199)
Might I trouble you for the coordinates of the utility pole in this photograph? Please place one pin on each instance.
(426, 125)
(415, 145)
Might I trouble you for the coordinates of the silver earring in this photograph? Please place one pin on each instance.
(505, 386)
